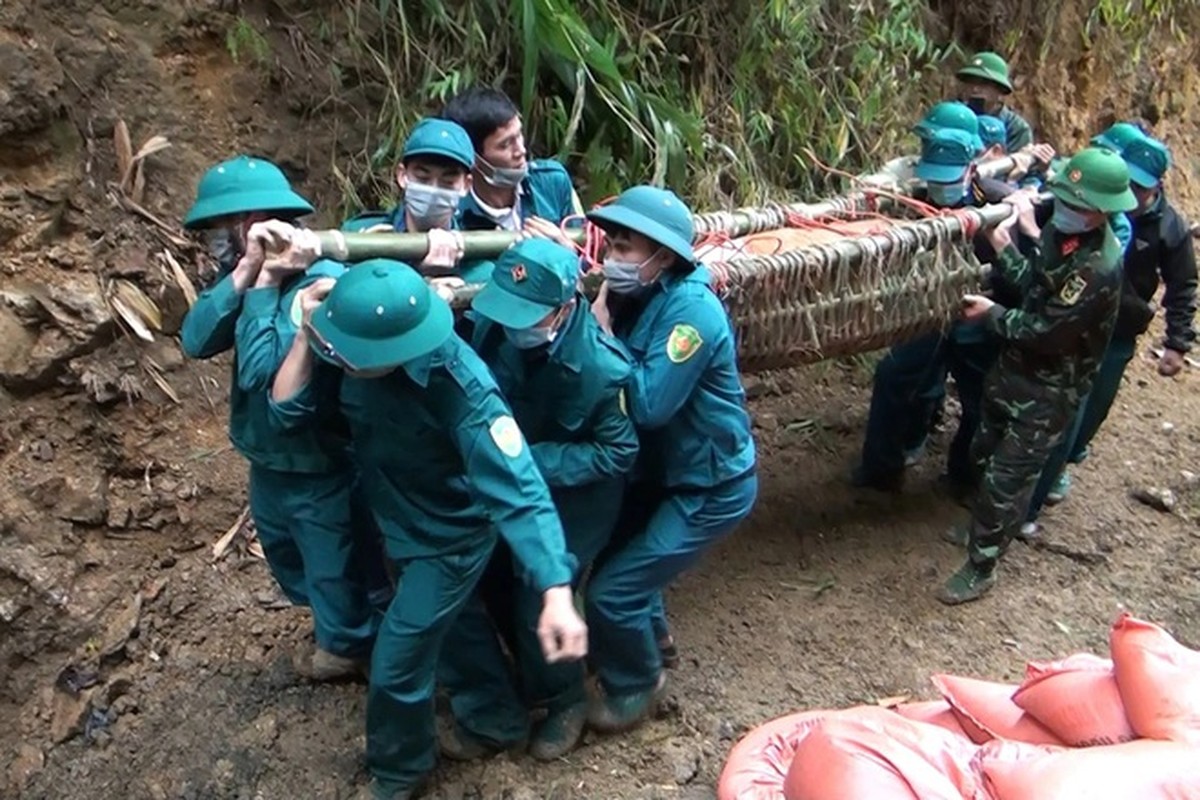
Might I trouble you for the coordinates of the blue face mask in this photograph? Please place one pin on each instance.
(625, 277)
(947, 195)
(430, 205)
(1068, 220)
(530, 338)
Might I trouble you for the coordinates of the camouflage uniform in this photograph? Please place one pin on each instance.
(1054, 314)
(1053, 345)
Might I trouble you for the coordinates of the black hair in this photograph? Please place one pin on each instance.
(480, 110)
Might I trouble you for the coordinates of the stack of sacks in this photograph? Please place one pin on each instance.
(1083, 727)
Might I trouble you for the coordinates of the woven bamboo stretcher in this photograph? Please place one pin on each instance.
(836, 296)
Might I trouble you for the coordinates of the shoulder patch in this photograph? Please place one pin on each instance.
(1072, 290)
(683, 343)
(296, 312)
(507, 436)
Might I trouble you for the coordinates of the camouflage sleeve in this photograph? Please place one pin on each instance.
(1011, 276)
(1086, 297)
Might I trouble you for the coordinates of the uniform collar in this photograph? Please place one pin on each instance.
(398, 221)
(1153, 212)
(418, 370)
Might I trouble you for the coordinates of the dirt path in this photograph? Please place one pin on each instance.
(822, 599)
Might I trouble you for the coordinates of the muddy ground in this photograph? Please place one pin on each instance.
(133, 666)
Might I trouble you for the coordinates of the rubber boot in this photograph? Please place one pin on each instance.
(971, 582)
(559, 733)
(623, 713)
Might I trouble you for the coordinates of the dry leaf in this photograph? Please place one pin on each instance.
(131, 319)
(155, 373)
(181, 278)
(226, 539)
(139, 184)
(153, 145)
(136, 300)
(124, 148)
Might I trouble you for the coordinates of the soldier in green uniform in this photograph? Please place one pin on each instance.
(564, 379)
(300, 484)
(1055, 314)
(695, 478)
(434, 176)
(509, 190)
(445, 470)
(984, 82)
(1161, 254)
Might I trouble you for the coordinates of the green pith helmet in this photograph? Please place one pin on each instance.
(987, 66)
(531, 279)
(1148, 160)
(440, 137)
(380, 314)
(953, 115)
(945, 156)
(657, 214)
(1094, 179)
(1118, 136)
(242, 185)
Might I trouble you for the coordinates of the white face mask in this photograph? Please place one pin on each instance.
(429, 204)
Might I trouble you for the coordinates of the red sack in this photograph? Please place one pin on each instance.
(1159, 681)
(933, 712)
(1077, 700)
(1141, 770)
(758, 764)
(986, 711)
(879, 755)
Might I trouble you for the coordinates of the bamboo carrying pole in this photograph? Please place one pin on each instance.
(412, 247)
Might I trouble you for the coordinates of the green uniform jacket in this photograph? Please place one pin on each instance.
(442, 462)
(1019, 132)
(685, 395)
(1056, 338)
(215, 324)
(567, 398)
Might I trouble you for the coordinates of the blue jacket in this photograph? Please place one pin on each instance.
(259, 325)
(568, 399)
(685, 394)
(546, 192)
(442, 463)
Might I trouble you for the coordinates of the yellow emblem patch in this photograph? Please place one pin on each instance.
(507, 436)
(683, 343)
(1072, 290)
